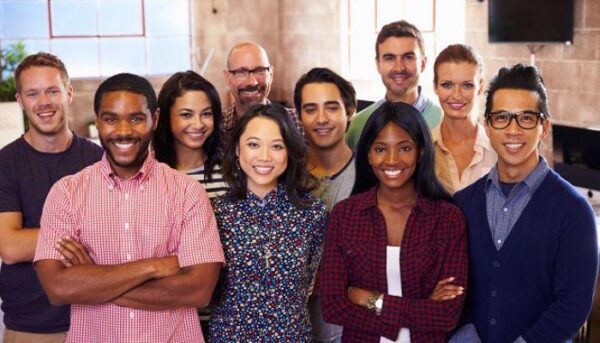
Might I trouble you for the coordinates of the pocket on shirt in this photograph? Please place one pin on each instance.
(355, 255)
(157, 239)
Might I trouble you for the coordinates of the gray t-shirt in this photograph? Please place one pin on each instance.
(335, 188)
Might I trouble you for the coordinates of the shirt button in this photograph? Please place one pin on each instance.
(505, 209)
(129, 259)
(141, 188)
(499, 241)
(494, 293)
(126, 226)
(131, 315)
(126, 196)
(496, 264)
(492, 321)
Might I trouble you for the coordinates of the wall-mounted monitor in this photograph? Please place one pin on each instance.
(531, 21)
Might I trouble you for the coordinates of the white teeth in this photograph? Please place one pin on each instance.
(45, 114)
(513, 146)
(322, 131)
(195, 134)
(392, 173)
(263, 170)
(124, 146)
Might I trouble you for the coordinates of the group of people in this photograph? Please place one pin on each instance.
(405, 222)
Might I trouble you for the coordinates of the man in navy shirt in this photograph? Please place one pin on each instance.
(533, 255)
(29, 166)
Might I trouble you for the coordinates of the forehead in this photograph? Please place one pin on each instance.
(262, 128)
(399, 46)
(248, 57)
(457, 70)
(34, 77)
(392, 133)
(123, 102)
(320, 92)
(515, 100)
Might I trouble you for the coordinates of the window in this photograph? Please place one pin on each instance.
(103, 37)
(365, 19)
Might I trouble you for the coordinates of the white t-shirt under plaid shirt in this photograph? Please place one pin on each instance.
(158, 212)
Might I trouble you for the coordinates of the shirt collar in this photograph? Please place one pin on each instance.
(141, 175)
(230, 116)
(481, 139)
(420, 104)
(532, 181)
(273, 197)
(370, 200)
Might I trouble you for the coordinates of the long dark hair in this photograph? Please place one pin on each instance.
(296, 179)
(410, 120)
(163, 140)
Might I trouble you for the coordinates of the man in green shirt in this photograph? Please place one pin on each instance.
(400, 59)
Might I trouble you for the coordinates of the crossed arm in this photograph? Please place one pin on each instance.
(148, 284)
(16, 243)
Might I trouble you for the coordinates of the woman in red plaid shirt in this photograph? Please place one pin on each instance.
(395, 261)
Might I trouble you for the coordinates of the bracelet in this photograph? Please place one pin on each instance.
(375, 302)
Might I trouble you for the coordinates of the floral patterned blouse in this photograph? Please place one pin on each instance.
(273, 250)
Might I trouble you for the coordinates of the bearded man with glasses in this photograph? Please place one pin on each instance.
(533, 254)
(249, 76)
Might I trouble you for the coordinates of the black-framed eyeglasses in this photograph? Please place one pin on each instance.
(526, 120)
(243, 73)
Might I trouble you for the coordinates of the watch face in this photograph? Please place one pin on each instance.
(379, 303)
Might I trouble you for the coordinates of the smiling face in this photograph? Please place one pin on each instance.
(517, 148)
(253, 89)
(263, 155)
(44, 98)
(457, 88)
(125, 127)
(323, 115)
(191, 120)
(400, 63)
(393, 157)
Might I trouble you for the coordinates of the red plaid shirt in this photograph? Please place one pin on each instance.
(433, 248)
(159, 212)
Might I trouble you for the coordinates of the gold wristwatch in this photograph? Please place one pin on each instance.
(375, 302)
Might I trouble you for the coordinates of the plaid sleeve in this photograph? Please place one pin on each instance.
(57, 221)
(337, 308)
(429, 315)
(199, 239)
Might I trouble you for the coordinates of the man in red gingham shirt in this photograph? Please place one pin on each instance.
(130, 242)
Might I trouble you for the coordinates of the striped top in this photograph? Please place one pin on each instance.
(213, 187)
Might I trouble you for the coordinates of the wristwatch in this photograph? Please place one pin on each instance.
(375, 302)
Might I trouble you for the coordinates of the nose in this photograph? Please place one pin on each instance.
(197, 122)
(124, 128)
(391, 157)
(457, 92)
(322, 117)
(265, 153)
(513, 128)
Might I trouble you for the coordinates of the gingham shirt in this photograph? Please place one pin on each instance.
(433, 248)
(158, 212)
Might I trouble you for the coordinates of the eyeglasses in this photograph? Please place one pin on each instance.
(526, 120)
(243, 73)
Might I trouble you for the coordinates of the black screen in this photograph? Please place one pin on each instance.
(577, 155)
(530, 20)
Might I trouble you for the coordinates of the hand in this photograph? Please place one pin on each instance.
(72, 252)
(445, 291)
(165, 267)
(358, 296)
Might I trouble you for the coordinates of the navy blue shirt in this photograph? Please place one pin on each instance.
(539, 285)
(26, 176)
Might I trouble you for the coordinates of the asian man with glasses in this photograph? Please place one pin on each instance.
(533, 255)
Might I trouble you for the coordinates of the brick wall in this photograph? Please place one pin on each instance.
(571, 73)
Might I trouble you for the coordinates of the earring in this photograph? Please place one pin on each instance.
(237, 164)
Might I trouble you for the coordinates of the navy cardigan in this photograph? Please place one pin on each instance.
(540, 284)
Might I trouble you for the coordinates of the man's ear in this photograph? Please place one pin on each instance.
(155, 117)
(546, 128)
(423, 63)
